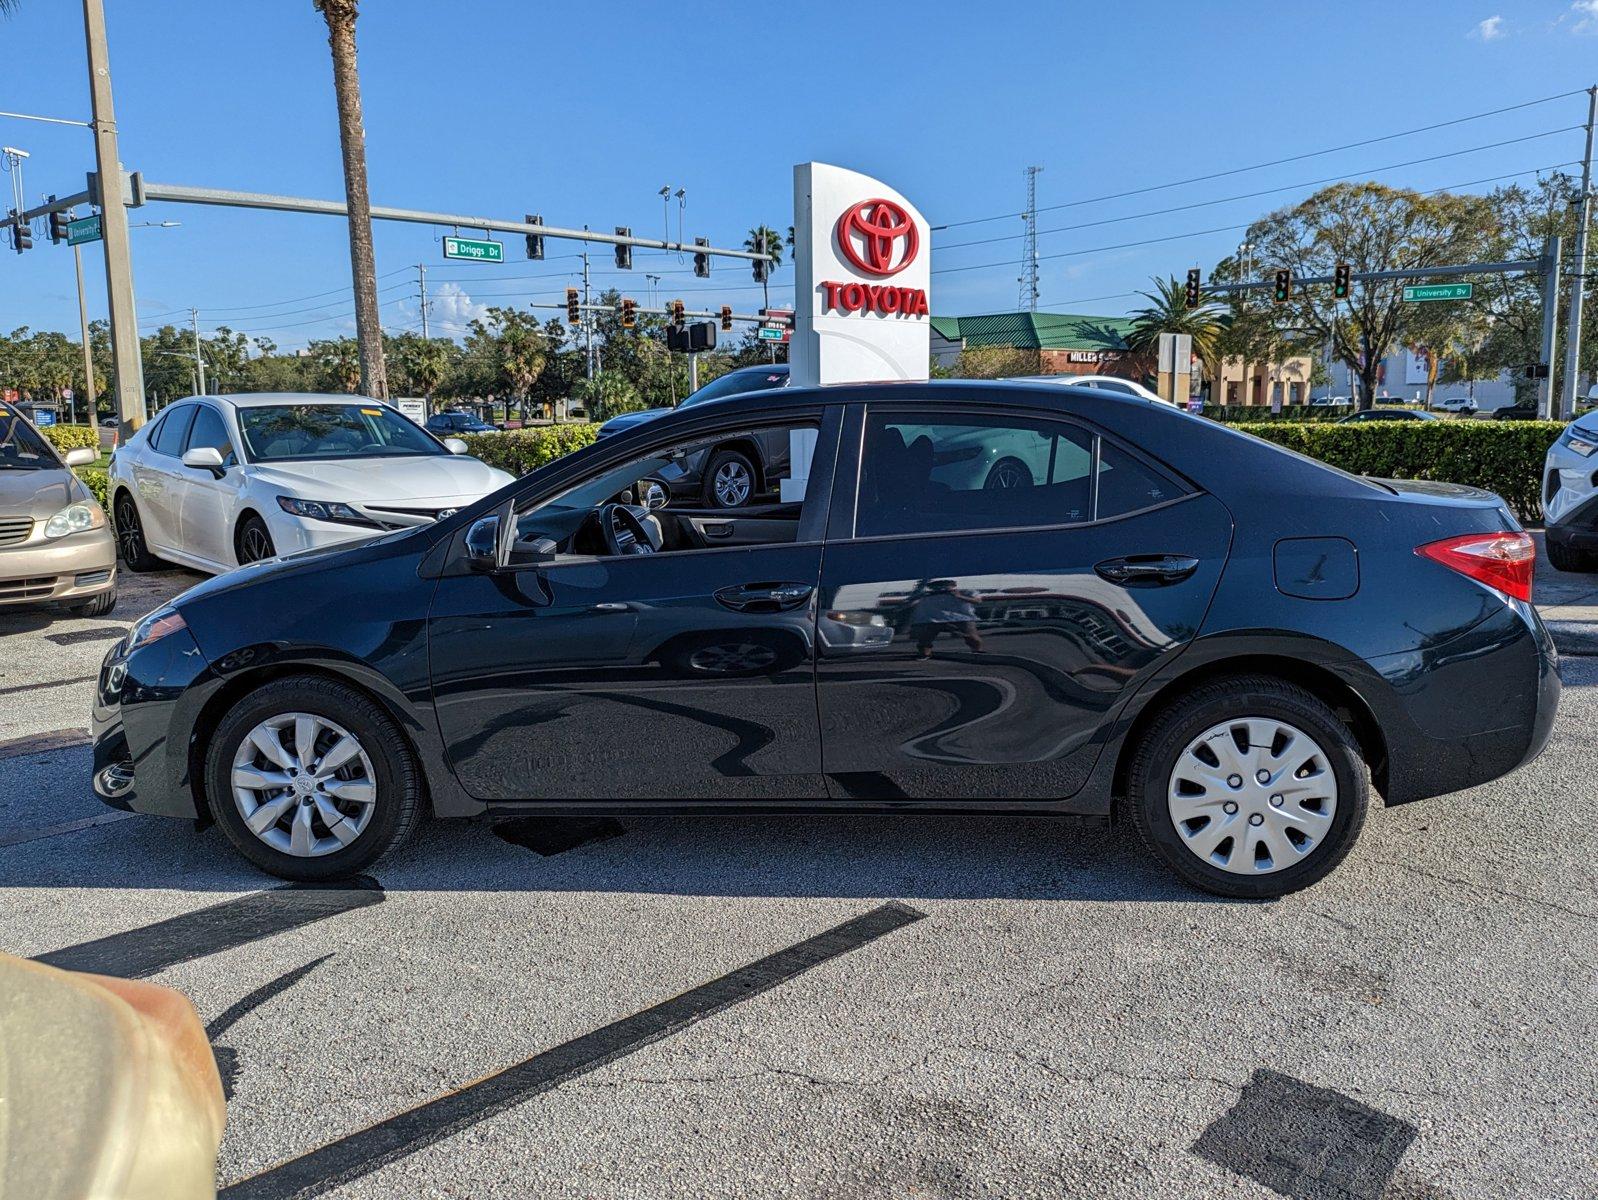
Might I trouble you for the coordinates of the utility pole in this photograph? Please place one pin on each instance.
(421, 283)
(1029, 243)
(128, 366)
(199, 362)
(1546, 404)
(588, 319)
(88, 355)
(1578, 283)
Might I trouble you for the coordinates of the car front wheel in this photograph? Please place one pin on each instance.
(130, 535)
(1249, 787)
(311, 779)
(254, 541)
(729, 480)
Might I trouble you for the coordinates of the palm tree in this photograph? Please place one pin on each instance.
(773, 245)
(1168, 312)
(340, 16)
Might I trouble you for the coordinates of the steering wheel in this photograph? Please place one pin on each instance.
(622, 530)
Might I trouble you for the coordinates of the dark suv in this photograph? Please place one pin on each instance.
(447, 424)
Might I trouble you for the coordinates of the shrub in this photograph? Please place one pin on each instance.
(1252, 414)
(606, 395)
(1501, 456)
(96, 481)
(522, 450)
(71, 437)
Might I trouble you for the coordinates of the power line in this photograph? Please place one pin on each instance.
(1159, 187)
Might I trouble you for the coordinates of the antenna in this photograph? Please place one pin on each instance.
(1029, 243)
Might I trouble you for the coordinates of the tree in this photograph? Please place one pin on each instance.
(340, 16)
(423, 363)
(337, 365)
(607, 395)
(1371, 227)
(996, 362)
(514, 347)
(1168, 312)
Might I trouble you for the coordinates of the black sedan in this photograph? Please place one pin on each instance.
(1366, 416)
(975, 597)
(453, 424)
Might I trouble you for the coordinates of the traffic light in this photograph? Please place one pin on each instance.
(702, 260)
(1193, 278)
(59, 220)
(701, 337)
(726, 318)
(535, 241)
(678, 312)
(1282, 292)
(1340, 281)
(760, 264)
(21, 234)
(572, 315)
(629, 313)
(624, 254)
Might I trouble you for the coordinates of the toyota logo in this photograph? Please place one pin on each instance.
(868, 233)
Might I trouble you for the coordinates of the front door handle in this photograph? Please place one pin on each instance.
(764, 597)
(1147, 570)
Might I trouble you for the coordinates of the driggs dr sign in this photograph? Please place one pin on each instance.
(862, 256)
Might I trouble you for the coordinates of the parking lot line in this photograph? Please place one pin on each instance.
(361, 1153)
(32, 835)
(43, 743)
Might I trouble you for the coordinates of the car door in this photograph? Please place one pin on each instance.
(158, 478)
(209, 500)
(975, 631)
(685, 675)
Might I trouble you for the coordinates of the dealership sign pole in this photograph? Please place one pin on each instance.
(862, 257)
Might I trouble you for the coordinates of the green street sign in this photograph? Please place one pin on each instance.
(84, 229)
(475, 249)
(1439, 291)
(769, 333)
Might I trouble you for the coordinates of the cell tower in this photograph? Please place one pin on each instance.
(1029, 243)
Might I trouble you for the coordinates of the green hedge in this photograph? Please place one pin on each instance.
(71, 437)
(96, 481)
(1250, 414)
(1502, 456)
(522, 450)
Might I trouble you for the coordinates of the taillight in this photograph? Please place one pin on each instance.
(1500, 560)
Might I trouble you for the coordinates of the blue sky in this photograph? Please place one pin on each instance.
(582, 111)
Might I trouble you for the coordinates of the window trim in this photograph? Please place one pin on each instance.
(857, 430)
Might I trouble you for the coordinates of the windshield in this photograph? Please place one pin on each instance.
(282, 432)
(21, 449)
(737, 383)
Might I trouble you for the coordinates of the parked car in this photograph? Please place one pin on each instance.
(1236, 641)
(1463, 405)
(1515, 412)
(735, 473)
(215, 482)
(1570, 497)
(1108, 383)
(55, 543)
(1386, 414)
(446, 423)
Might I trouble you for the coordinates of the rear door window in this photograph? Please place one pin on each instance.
(173, 430)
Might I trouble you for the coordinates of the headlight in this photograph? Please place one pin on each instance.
(1581, 443)
(74, 518)
(153, 627)
(323, 510)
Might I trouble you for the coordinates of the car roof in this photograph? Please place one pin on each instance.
(257, 399)
(935, 391)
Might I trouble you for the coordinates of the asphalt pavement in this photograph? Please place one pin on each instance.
(840, 1006)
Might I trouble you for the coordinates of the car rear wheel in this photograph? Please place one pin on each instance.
(1249, 787)
(1008, 473)
(729, 480)
(254, 541)
(130, 535)
(1568, 558)
(311, 779)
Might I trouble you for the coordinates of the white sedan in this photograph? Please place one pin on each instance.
(218, 481)
(1570, 496)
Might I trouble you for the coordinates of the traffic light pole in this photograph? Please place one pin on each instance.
(88, 354)
(127, 364)
(1547, 405)
(1578, 281)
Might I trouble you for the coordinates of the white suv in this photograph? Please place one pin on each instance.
(1570, 496)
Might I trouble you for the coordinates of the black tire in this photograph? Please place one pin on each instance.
(98, 607)
(131, 546)
(737, 460)
(1009, 473)
(401, 789)
(1215, 703)
(1570, 559)
(253, 541)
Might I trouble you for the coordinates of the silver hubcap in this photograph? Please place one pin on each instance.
(304, 785)
(1253, 795)
(731, 484)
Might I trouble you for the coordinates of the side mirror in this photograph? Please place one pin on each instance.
(482, 544)
(653, 494)
(204, 458)
(81, 457)
(455, 445)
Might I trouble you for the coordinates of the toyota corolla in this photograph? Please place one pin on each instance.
(1234, 645)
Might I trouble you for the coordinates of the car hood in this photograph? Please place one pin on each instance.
(38, 494)
(379, 480)
(629, 420)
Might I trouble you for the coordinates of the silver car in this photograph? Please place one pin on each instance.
(56, 545)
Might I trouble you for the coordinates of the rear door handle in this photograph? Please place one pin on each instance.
(1148, 570)
(764, 597)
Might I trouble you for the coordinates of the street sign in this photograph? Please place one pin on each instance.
(474, 249)
(412, 407)
(1419, 293)
(771, 333)
(84, 229)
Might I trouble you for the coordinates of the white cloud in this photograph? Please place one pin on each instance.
(1586, 13)
(450, 311)
(1492, 28)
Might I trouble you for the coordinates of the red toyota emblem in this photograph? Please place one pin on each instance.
(869, 232)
